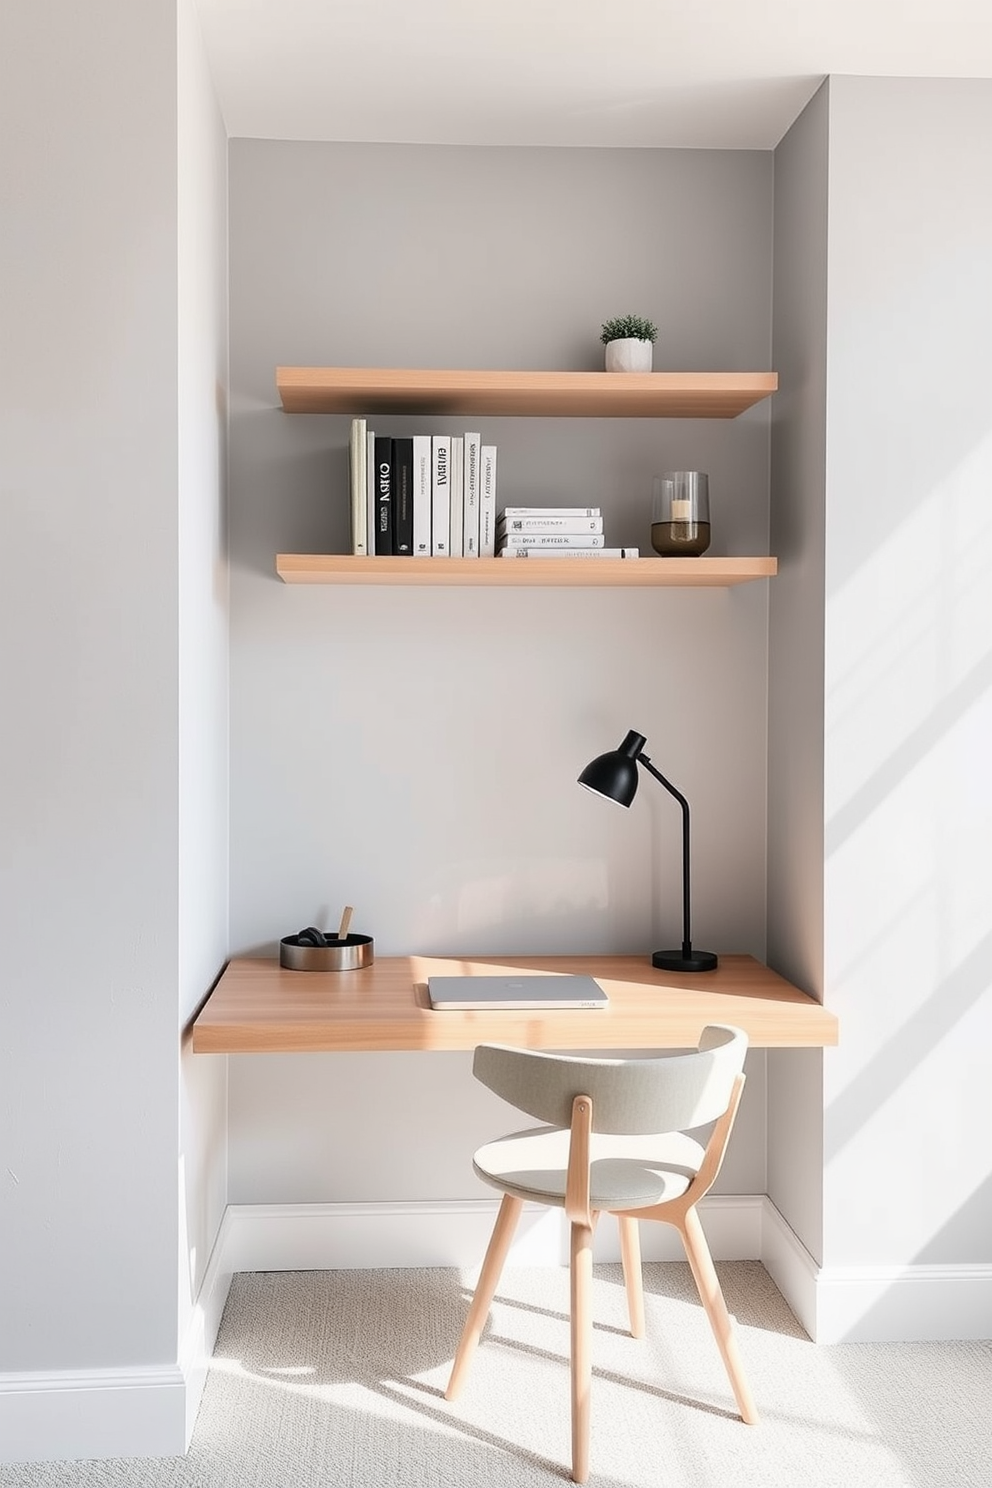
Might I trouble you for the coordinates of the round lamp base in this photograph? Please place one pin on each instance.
(675, 961)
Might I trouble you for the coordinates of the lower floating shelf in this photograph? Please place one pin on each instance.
(541, 573)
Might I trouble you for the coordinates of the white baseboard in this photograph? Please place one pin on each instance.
(875, 1304)
(146, 1411)
(49, 1417)
(903, 1304)
(197, 1345)
(790, 1265)
(308, 1237)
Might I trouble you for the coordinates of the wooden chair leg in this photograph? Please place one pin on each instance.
(708, 1286)
(630, 1254)
(581, 1339)
(499, 1243)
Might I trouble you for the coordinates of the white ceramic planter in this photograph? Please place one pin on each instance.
(629, 355)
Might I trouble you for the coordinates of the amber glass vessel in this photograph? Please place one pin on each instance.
(680, 514)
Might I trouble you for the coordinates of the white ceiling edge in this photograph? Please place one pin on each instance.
(751, 115)
(706, 74)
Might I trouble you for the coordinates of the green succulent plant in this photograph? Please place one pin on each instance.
(624, 326)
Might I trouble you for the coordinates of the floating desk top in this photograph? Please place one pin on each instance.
(258, 1007)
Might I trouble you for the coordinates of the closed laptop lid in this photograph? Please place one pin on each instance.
(470, 993)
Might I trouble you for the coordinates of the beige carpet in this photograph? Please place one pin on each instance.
(335, 1378)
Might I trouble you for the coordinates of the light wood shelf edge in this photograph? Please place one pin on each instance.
(397, 390)
(573, 573)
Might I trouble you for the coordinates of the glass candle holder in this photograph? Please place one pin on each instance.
(680, 514)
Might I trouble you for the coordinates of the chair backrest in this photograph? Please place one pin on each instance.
(630, 1096)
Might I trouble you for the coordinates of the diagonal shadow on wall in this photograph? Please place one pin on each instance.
(913, 748)
(908, 1047)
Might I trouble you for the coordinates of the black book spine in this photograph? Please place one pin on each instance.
(383, 488)
(403, 496)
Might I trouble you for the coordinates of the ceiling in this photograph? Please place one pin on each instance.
(706, 74)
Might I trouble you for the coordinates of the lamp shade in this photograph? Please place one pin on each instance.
(614, 774)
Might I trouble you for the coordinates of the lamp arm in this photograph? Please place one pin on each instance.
(643, 759)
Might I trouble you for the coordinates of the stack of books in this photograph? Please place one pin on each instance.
(555, 532)
(422, 496)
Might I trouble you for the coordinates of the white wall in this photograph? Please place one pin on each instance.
(112, 882)
(414, 752)
(880, 660)
(795, 655)
(203, 648)
(88, 609)
(908, 674)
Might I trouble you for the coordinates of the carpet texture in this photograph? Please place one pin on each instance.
(336, 1378)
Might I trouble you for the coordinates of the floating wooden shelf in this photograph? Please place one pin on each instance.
(528, 573)
(381, 390)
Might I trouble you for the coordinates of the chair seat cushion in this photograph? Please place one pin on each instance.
(625, 1172)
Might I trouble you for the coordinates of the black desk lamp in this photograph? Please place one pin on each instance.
(614, 776)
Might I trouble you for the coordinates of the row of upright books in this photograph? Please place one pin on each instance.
(555, 532)
(423, 495)
(434, 496)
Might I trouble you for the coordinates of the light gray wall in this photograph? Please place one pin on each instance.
(414, 752)
(113, 786)
(90, 751)
(203, 642)
(795, 654)
(908, 673)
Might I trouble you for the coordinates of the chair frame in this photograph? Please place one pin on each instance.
(679, 1212)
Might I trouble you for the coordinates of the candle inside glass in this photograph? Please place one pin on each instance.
(680, 514)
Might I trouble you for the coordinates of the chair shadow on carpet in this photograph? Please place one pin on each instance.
(393, 1334)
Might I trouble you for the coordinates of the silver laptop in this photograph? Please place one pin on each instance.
(472, 993)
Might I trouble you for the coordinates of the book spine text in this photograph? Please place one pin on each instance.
(383, 481)
(441, 496)
(470, 532)
(359, 505)
(457, 523)
(573, 525)
(403, 497)
(422, 498)
(487, 501)
(553, 540)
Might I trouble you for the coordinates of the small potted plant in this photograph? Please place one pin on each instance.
(629, 341)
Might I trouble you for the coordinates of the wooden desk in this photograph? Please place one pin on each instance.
(258, 1008)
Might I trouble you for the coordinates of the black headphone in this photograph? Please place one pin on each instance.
(311, 936)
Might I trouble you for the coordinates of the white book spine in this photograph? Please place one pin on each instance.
(570, 553)
(551, 511)
(370, 488)
(487, 502)
(441, 496)
(470, 533)
(359, 503)
(541, 540)
(457, 526)
(573, 525)
(422, 497)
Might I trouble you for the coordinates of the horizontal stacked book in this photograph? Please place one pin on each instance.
(555, 532)
(423, 495)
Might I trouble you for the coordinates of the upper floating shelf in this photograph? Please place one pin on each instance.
(525, 573)
(377, 390)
